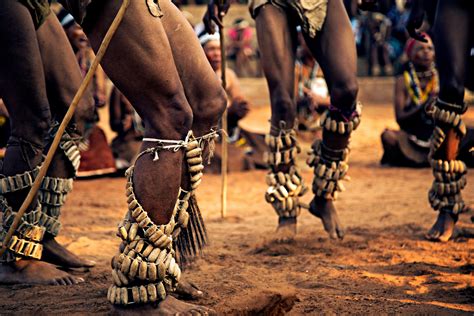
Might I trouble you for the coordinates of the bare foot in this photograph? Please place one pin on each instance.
(463, 232)
(35, 272)
(326, 211)
(56, 254)
(188, 291)
(286, 230)
(170, 306)
(443, 228)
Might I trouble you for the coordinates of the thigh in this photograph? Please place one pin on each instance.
(276, 35)
(334, 47)
(199, 80)
(140, 63)
(62, 73)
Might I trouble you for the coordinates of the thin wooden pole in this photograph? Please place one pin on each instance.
(67, 118)
(224, 161)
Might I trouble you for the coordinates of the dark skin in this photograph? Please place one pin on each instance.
(340, 74)
(23, 88)
(157, 93)
(452, 44)
(60, 96)
(168, 79)
(308, 60)
(239, 106)
(59, 70)
(277, 41)
(422, 58)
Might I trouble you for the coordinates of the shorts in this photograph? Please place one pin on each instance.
(77, 8)
(39, 10)
(312, 13)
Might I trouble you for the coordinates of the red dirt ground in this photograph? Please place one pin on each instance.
(383, 266)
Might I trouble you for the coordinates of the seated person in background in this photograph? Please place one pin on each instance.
(245, 148)
(414, 89)
(96, 156)
(240, 47)
(129, 127)
(379, 27)
(311, 91)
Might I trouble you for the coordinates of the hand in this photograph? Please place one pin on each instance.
(127, 122)
(367, 5)
(239, 107)
(415, 21)
(216, 10)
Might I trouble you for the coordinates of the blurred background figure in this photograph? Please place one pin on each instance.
(398, 15)
(96, 156)
(245, 148)
(240, 47)
(414, 89)
(126, 122)
(379, 27)
(311, 92)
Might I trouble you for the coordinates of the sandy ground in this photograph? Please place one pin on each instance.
(383, 266)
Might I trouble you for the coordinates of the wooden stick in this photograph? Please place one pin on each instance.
(69, 114)
(224, 158)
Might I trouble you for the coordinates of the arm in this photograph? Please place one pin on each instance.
(3, 109)
(415, 20)
(115, 112)
(233, 85)
(239, 106)
(120, 111)
(216, 10)
(400, 102)
(100, 87)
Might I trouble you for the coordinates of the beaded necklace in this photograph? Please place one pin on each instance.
(418, 95)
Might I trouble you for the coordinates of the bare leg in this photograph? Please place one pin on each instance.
(277, 40)
(23, 89)
(334, 48)
(148, 77)
(388, 69)
(202, 88)
(374, 68)
(63, 78)
(389, 140)
(452, 48)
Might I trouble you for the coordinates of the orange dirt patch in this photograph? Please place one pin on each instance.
(383, 265)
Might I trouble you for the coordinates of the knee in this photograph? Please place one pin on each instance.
(282, 102)
(181, 116)
(37, 128)
(452, 91)
(285, 105)
(173, 119)
(388, 137)
(210, 110)
(44, 120)
(283, 109)
(344, 95)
